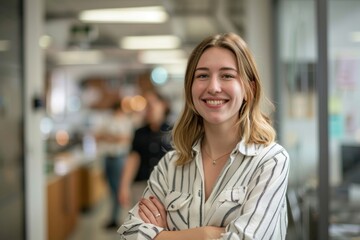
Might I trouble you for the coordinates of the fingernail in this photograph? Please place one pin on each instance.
(151, 197)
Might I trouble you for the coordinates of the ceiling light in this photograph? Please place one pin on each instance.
(156, 14)
(177, 69)
(162, 56)
(150, 42)
(79, 57)
(355, 36)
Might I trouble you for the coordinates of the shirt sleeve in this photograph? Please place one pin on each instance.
(134, 228)
(263, 213)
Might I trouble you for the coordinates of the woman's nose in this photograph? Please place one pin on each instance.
(214, 85)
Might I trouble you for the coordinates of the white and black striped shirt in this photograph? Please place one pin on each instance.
(249, 198)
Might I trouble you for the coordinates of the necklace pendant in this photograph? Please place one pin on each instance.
(214, 162)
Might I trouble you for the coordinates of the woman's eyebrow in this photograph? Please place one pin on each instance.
(222, 69)
(228, 68)
(202, 68)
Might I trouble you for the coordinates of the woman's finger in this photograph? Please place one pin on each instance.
(154, 212)
(158, 205)
(162, 218)
(147, 212)
(143, 216)
(152, 207)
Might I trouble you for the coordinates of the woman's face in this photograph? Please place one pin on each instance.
(155, 109)
(217, 91)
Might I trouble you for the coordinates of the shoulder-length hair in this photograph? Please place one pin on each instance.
(254, 125)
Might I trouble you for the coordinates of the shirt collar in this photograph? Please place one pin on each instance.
(250, 149)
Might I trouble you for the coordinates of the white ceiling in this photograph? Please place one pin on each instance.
(190, 20)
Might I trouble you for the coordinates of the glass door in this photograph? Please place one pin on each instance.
(11, 122)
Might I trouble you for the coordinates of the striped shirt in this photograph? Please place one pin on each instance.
(248, 199)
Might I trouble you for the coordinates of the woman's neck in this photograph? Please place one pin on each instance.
(218, 139)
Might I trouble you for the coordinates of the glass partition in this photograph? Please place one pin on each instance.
(344, 118)
(298, 114)
(297, 107)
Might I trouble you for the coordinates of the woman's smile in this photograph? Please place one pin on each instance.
(215, 102)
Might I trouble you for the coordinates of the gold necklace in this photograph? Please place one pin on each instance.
(216, 159)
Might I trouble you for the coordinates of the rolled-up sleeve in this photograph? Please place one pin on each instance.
(134, 228)
(263, 214)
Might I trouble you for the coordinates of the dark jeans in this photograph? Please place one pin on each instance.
(113, 168)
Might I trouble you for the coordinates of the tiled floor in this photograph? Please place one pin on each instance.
(90, 224)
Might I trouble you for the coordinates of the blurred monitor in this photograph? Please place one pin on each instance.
(350, 160)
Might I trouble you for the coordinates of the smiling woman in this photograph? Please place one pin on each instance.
(217, 90)
(227, 177)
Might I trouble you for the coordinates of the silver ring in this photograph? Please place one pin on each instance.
(157, 215)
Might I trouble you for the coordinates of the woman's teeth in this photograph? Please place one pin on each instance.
(215, 102)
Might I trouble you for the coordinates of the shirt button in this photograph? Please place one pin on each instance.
(172, 206)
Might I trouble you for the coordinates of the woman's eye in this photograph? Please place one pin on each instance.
(228, 76)
(201, 76)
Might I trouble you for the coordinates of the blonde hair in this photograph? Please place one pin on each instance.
(255, 126)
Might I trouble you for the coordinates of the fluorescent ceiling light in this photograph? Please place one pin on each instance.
(177, 69)
(156, 14)
(162, 57)
(355, 36)
(79, 57)
(150, 42)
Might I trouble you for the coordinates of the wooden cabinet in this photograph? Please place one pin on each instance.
(63, 205)
(93, 187)
(67, 195)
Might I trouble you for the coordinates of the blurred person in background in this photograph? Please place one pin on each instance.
(114, 137)
(227, 177)
(150, 143)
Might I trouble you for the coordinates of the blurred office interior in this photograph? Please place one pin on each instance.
(60, 71)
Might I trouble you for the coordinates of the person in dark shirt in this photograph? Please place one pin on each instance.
(149, 145)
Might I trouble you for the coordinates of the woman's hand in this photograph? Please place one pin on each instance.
(153, 211)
